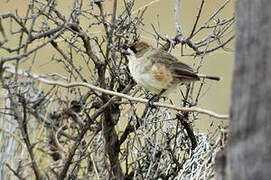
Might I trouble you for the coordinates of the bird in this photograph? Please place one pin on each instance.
(158, 71)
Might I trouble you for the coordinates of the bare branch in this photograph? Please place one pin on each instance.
(105, 91)
(23, 55)
(176, 18)
(197, 19)
(78, 120)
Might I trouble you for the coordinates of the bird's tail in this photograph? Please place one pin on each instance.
(209, 77)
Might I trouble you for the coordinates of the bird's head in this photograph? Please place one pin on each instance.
(137, 49)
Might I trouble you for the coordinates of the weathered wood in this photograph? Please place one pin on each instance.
(248, 155)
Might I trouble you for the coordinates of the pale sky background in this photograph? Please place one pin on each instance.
(216, 96)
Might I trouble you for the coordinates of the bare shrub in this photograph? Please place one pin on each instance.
(89, 122)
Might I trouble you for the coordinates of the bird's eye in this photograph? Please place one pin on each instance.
(133, 49)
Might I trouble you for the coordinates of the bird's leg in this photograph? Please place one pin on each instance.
(155, 98)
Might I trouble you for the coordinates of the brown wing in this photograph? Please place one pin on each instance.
(178, 69)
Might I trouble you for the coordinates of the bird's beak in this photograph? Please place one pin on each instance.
(125, 53)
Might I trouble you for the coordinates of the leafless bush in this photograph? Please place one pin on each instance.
(90, 122)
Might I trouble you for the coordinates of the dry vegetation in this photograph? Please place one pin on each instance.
(90, 123)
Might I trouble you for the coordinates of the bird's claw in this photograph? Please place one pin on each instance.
(153, 99)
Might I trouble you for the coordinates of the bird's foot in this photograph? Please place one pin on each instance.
(152, 100)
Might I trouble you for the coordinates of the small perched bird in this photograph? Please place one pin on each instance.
(157, 70)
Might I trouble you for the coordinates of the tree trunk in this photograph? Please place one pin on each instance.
(248, 155)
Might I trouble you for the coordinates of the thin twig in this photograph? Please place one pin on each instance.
(189, 131)
(21, 119)
(14, 172)
(197, 19)
(20, 56)
(176, 18)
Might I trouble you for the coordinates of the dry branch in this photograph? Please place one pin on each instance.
(113, 93)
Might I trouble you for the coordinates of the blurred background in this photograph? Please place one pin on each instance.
(215, 96)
